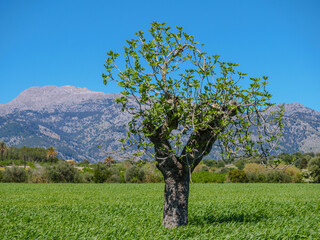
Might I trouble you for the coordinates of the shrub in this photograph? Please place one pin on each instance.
(298, 178)
(254, 168)
(38, 175)
(207, 177)
(86, 177)
(256, 177)
(63, 173)
(1, 176)
(101, 173)
(115, 178)
(152, 174)
(314, 169)
(221, 164)
(303, 164)
(204, 168)
(277, 176)
(223, 170)
(240, 164)
(209, 163)
(14, 174)
(201, 167)
(292, 171)
(134, 174)
(237, 176)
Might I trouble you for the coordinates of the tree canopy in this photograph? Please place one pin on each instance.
(181, 90)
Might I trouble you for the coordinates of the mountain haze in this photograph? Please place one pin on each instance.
(76, 120)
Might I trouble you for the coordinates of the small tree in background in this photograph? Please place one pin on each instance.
(85, 162)
(3, 149)
(183, 102)
(314, 169)
(51, 153)
(240, 164)
(134, 174)
(303, 164)
(24, 155)
(109, 161)
(238, 176)
(14, 174)
(101, 173)
(63, 173)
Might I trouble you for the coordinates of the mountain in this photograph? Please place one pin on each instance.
(74, 120)
(301, 129)
(77, 120)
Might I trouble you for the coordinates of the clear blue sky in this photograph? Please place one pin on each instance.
(64, 42)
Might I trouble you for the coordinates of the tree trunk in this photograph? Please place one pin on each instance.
(176, 194)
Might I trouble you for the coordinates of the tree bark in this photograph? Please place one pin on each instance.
(176, 171)
(176, 194)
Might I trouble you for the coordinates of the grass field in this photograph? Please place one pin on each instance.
(134, 211)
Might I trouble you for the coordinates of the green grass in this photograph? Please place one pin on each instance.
(134, 211)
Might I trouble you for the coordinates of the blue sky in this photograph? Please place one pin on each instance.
(65, 42)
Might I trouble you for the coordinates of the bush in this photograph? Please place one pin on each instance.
(201, 167)
(256, 177)
(259, 173)
(204, 169)
(86, 177)
(298, 178)
(314, 169)
(101, 173)
(38, 176)
(134, 174)
(255, 168)
(303, 164)
(292, 171)
(14, 174)
(1, 174)
(207, 177)
(240, 164)
(152, 174)
(63, 173)
(221, 164)
(223, 170)
(277, 176)
(115, 178)
(238, 176)
(209, 163)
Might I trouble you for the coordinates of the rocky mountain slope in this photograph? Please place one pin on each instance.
(76, 120)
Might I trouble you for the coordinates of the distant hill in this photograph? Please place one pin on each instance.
(76, 120)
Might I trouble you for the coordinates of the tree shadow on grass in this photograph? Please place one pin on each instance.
(210, 217)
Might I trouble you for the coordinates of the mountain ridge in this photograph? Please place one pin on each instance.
(38, 98)
(76, 120)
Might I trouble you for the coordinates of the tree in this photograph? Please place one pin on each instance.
(24, 153)
(237, 176)
(183, 102)
(134, 174)
(85, 162)
(240, 164)
(101, 173)
(63, 173)
(14, 174)
(109, 161)
(303, 163)
(3, 148)
(51, 153)
(314, 169)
